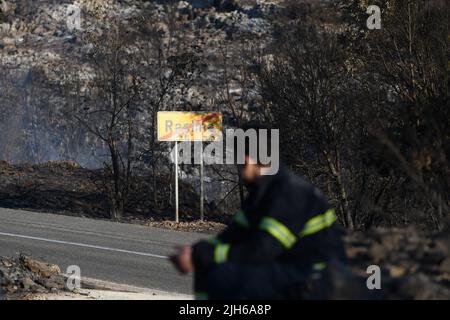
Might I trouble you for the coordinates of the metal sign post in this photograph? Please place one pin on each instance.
(201, 182)
(189, 126)
(177, 218)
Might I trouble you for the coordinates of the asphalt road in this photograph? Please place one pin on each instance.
(117, 252)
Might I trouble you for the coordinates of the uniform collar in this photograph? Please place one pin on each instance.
(259, 188)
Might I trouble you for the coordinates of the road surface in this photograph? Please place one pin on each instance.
(116, 252)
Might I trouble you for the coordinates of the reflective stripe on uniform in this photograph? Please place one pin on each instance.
(214, 241)
(241, 219)
(279, 231)
(318, 223)
(221, 252)
(319, 266)
(201, 295)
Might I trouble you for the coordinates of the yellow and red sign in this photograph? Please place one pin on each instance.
(189, 126)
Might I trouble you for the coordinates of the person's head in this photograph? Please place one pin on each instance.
(260, 142)
(250, 170)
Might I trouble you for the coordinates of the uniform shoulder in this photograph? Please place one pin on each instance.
(300, 186)
(298, 182)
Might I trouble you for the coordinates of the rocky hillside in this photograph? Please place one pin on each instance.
(37, 33)
(43, 50)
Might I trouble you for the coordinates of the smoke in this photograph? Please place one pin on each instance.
(37, 126)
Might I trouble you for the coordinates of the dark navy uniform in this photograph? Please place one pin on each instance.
(285, 233)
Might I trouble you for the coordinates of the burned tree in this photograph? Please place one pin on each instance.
(364, 112)
(304, 88)
(170, 65)
(110, 109)
(403, 71)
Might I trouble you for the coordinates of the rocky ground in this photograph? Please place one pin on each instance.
(415, 264)
(23, 278)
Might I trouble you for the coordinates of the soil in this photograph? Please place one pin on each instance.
(66, 188)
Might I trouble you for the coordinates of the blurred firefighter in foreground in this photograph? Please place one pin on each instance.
(278, 246)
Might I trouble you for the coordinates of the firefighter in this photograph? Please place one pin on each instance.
(282, 240)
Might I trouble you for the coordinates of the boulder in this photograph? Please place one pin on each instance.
(226, 5)
(22, 276)
(28, 284)
(8, 42)
(44, 269)
(445, 266)
(422, 287)
(40, 30)
(201, 4)
(397, 271)
(5, 27)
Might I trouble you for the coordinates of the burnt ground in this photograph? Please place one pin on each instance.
(415, 263)
(65, 188)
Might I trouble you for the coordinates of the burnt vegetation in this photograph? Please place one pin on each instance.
(362, 113)
(365, 113)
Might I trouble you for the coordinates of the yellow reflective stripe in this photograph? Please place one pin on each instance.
(214, 241)
(279, 231)
(201, 295)
(318, 223)
(241, 219)
(319, 266)
(221, 253)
